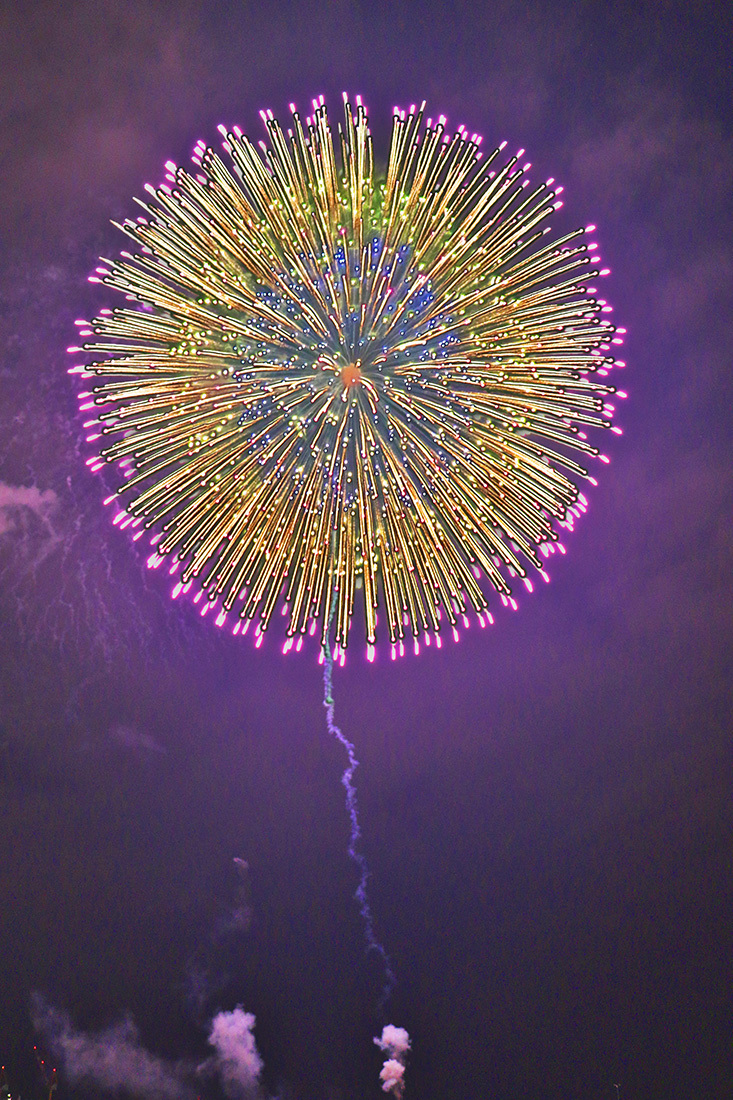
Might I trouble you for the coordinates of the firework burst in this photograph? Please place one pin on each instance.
(332, 379)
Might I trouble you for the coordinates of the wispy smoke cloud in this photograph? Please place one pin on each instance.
(395, 1042)
(132, 738)
(115, 1061)
(239, 917)
(112, 1059)
(19, 501)
(236, 1061)
(207, 975)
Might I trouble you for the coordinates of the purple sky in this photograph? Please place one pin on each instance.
(546, 805)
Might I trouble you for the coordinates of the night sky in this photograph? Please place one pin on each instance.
(546, 806)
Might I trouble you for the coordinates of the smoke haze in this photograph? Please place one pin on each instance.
(112, 1059)
(115, 1061)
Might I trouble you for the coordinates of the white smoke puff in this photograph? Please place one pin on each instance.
(237, 1060)
(391, 1076)
(395, 1042)
(112, 1059)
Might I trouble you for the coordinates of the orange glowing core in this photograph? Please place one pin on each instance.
(351, 375)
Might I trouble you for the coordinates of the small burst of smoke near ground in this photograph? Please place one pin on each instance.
(237, 1061)
(115, 1061)
(112, 1059)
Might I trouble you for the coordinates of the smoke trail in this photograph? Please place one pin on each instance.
(372, 942)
